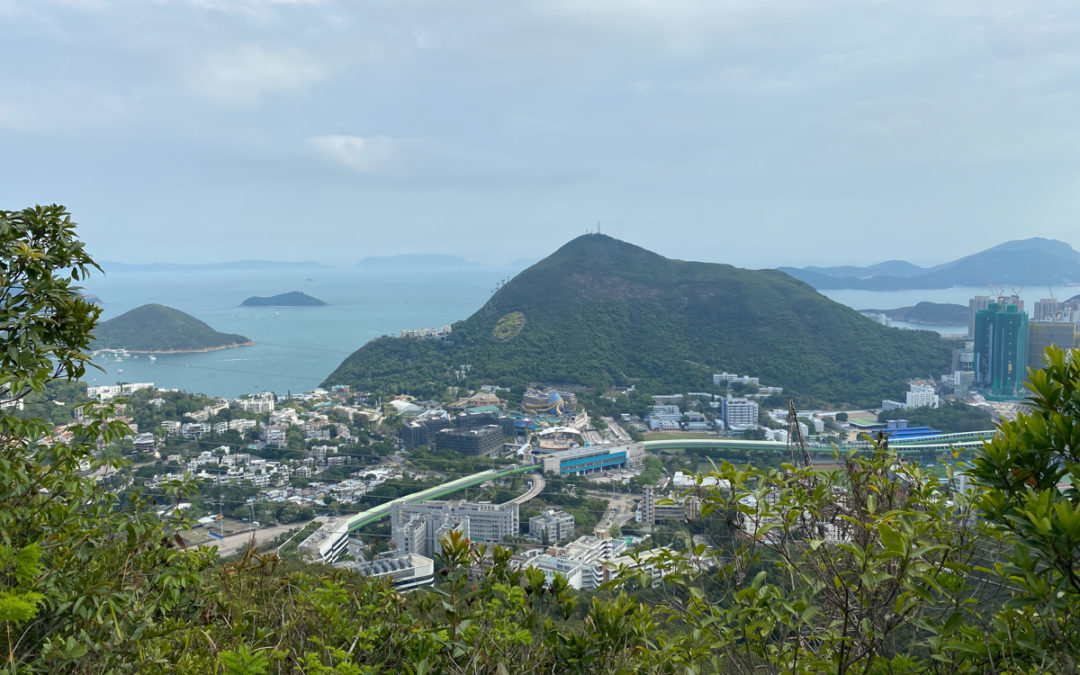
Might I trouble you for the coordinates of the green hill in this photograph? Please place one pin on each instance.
(600, 311)
(290, 299)
(156, 328)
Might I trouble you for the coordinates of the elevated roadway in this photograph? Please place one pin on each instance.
(914, 446)
(329, 541)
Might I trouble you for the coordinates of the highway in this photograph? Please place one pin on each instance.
(338, 528)
(538, 486)
(928, 444)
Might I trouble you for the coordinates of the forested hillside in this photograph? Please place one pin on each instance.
(600, 311)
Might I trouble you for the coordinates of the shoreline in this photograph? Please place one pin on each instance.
(218, 348)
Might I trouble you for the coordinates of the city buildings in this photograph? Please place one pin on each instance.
(583, 561)
(483, 440)
(1043, 334)
(1001, 350)
(594, 458)
(739, 413)
(552, 527)
(405, 571)
(418, 528)
(922, 395)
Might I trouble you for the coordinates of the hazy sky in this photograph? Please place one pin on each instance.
(755, 132)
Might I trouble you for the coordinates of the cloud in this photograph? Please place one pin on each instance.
(243, 75)
(357, 152)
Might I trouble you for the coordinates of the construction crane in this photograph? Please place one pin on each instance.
(1054, 315)
(795, 442)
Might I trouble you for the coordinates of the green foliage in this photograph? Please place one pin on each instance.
(1023, 470)
(602, 311)
(949, 418)
(857, 570)
(84, 585)
(156, 328)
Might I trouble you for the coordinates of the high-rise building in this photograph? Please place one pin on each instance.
(1043, 334)
(976, 305)
(419, 528)
(1044, 310)
(1001, 348)
(552, 527)
(739, 413)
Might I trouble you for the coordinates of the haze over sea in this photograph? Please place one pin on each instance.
(296, 348)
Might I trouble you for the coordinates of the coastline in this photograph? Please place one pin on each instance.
(325, 304)
(218, 348)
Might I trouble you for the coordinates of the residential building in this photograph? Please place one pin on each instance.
(739, 413)
(1001, 334)
(419, 527)
(1043, 334)
(922, 396)
(552, 527)
(259, 403)
(485, 440)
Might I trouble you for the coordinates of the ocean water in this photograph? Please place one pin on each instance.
(295, 348)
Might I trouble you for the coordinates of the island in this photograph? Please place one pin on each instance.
(290, 299)
(157, 329)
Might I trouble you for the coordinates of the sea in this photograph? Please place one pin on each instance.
(296, 348)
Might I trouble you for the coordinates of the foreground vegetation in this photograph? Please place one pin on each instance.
(874, 568)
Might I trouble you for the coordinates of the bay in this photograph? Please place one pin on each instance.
(295, 348)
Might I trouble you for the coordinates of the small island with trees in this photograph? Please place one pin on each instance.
(157, 329)
(290, 299)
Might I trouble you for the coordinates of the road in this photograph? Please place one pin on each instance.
(538, 485)
(620, 509)
(616, 430)
(234, 543)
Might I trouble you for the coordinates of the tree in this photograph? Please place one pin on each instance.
(83, 585)
(1031, 472)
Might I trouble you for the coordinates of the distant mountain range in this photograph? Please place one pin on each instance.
(290, 299)
(237, 265)
(600, 311)
(158, 329)
(1025, 262)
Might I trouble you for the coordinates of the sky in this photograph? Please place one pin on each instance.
(755, 133)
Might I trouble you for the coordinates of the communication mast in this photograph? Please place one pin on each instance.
(796, 444)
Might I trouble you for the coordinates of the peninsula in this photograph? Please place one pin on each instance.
(157, 329)
(290, 299)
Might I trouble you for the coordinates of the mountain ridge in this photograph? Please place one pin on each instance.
(1035, 261)
(599, 311)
